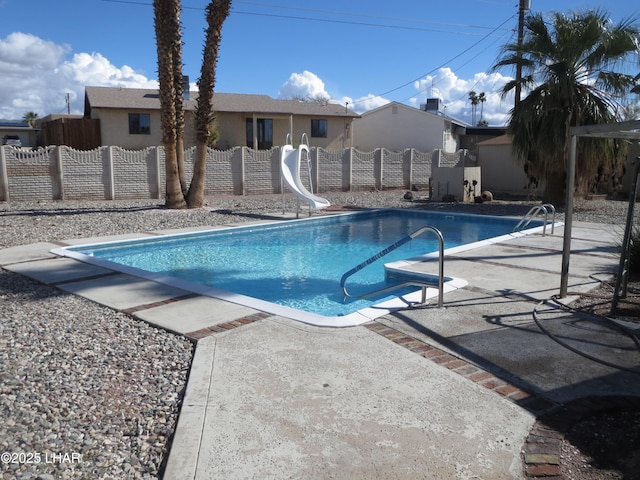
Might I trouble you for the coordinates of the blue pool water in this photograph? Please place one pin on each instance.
(299, 263)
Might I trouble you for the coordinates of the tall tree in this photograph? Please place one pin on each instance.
(570, 71)
(473, 97)
(30, 118)
(178, 98)
(169, 45)
(481, 99)
(170, 79)
(217, 12)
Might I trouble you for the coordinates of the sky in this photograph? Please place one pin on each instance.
(359, 53)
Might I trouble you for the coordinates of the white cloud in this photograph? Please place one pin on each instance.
(308, 85)
(445, 85)
(22, 52)
(303, 85)
(454, 93)
(36, 76)
(364, 104)
(94, 69)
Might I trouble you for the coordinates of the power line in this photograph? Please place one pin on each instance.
(357, 23)
(350, 22)
(462, 27)
(440, 66)
(464, 94)
(476, 83)
(364, 15)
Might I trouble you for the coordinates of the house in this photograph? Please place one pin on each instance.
(501, 172)
(130, 118)
(11, 132)
(504, 173)
(396, 126)
(475, 135)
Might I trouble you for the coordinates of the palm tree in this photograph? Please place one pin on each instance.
(569, 69)
(168, 44)
(481, 98)
(178, 99)
(30, 118)
(474, 104)
(217, 11)
(170, 79)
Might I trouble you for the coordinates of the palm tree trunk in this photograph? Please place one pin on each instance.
(554, 192)
(167, 28)
(174, 198)
(217, 12)
(179, 118)
(195, 198)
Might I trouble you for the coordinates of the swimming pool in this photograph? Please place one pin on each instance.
(294, 267)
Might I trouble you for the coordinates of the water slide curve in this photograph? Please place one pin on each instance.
(290, 160)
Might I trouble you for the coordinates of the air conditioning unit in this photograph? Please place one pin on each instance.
(432, 105)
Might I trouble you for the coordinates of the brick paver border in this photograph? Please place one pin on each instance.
(532, 402)
(543, 446)
(223, 327)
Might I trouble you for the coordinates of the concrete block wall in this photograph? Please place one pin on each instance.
(25, 172)
(85, 174)
(108, 173)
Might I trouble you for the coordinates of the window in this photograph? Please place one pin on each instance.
(319, 128)
(139, 124)
(265, 133)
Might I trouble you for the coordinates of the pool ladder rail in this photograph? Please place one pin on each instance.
(417, 283)
(526, 220)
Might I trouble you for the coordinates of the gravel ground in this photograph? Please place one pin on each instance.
(87, 392)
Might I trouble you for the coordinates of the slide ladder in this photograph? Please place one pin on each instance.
(526, 220)
(290, 169)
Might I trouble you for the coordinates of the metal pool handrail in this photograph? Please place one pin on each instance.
(389, 249)
(526, 220)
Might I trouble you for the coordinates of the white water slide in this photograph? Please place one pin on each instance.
(290, 163)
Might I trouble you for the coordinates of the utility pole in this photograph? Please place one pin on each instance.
(524, 5)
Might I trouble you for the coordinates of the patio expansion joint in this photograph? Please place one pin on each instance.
(206, 331)
(86, 278)
(147, 306)
(559, 252)
(514, 267)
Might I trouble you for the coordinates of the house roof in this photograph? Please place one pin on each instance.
(8, 126)
(499, 140)
(417, 110)
(57, 116)
(147, 99)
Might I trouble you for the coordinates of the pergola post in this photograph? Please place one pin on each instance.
(568, 217)
(629, 130)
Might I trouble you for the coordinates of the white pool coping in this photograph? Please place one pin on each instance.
(353, 319)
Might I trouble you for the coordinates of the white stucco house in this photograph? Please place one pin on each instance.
(396, 126)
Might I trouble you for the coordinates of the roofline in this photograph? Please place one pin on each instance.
(19, 128)
(409, 107)
(278, 106)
